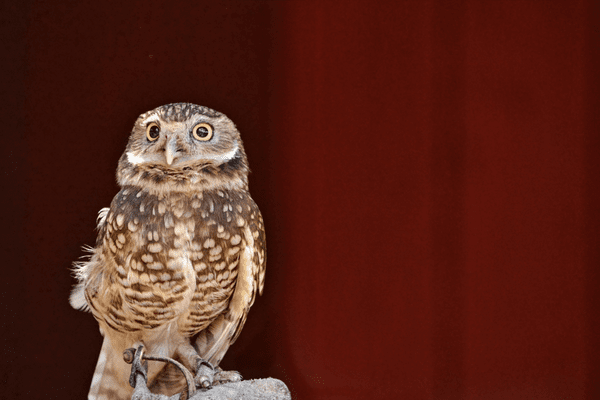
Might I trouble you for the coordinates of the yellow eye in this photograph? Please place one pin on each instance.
(202, 132)
(152, 131)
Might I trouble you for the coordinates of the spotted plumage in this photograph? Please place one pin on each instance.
(180, 253)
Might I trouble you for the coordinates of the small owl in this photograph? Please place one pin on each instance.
(180, 253)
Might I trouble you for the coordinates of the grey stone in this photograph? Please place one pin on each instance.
(255, 389)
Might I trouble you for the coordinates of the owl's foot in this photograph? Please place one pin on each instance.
(226, 376)
(142, 392)
(205, 373)
(139, 375)
(139, 366)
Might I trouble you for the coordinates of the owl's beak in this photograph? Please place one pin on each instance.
(171, 151)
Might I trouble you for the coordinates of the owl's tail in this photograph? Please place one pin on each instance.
(111, 378)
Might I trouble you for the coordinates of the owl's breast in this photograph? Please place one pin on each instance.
(171, 258)
(218, 244)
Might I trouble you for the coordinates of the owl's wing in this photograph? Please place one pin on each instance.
(82, 269)
(213, 342)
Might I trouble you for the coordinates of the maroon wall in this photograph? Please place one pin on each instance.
(428, 172)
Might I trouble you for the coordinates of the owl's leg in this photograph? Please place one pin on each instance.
(204, 371)
(141, 391)
(206, 375)
(139, 375)
(139, 367)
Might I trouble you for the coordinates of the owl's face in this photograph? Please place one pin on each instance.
(182, 135)
(183, 142)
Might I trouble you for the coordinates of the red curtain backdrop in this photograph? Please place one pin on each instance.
(428, 173)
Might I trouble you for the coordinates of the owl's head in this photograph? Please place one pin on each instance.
(183, 146)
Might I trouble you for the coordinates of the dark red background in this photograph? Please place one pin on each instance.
(428, 172)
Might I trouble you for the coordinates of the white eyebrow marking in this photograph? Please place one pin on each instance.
(152, 118)
(223, 157)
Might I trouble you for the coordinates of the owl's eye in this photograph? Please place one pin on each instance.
(152, 131)
(202, 132)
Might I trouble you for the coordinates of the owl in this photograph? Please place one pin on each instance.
(180, 252)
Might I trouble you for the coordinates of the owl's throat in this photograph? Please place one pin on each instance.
(198, 177)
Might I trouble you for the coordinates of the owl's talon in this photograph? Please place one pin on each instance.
(226, 376)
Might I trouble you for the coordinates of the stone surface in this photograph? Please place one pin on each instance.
(256, 389)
